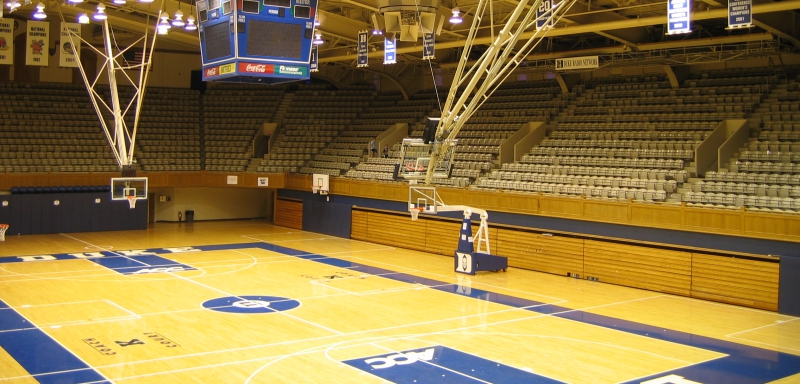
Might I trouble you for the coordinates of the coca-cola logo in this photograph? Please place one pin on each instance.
(211, 72)
(255, 68)
(260, 68)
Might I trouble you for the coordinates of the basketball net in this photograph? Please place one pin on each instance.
(3, 228)
(415, 213)
(131, 201)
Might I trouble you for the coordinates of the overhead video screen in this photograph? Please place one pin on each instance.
(266, 38)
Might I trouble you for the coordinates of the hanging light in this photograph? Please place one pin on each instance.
(119, 2)
(163, 25)
(456, 18)
(178, 21)
(101, 12)
(83, 18)
(145, 1)
(190, 25)
(318, 40)
(377, 32)
(39, 14)
(13, 5)
(75, 1)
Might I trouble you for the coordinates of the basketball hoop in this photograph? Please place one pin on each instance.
(131, 201)
(3, 228)
(415, 213)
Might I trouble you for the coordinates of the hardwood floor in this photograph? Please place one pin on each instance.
(250, 302)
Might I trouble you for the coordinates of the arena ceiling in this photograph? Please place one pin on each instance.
(626, 28)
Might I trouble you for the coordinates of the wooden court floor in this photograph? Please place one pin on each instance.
(249, 302)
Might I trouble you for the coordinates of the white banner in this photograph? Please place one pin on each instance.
(37, 43)
(679, 16)
(7, 41)
(390, 51)
(70, 45)
(583, 62)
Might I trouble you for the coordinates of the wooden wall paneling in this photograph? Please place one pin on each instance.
(359, 228)
(740, 281)
(602, 210)
(561, 207)
(520, 203)
(395, 230)
(656, 215)
(649, 268)
(441, 236)
(555, 254)
(765, 225)
(288, 213)
(718, 221)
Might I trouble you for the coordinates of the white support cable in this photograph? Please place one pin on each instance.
(491, 68)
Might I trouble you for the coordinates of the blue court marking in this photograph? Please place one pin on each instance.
(251, 304)
(39, 354)
(443, 365)
(132, 265)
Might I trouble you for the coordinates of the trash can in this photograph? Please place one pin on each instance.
(189, 216)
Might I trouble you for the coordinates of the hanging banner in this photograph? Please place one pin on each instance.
(7, 41)
(70, 45)
(678, 16)
(313, 65)
(740, 13)
(544, 14)
(38, 39)
(362, 49)
(427, 46)
(389, 51)
(584, 62)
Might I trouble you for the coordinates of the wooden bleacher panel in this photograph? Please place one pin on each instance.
(359, 229)
(640, 267)
(440, 236)
(289, 213)
(395, 230)
(747, 282)
(555, 254)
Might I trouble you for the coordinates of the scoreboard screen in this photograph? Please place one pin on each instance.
(256, 41)
(218, 41)
(266, 38)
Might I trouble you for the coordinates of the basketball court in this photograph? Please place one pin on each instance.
(249, 302)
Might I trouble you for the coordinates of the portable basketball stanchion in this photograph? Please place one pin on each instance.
(3, 228)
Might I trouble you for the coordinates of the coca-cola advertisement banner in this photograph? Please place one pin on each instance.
(264, 69)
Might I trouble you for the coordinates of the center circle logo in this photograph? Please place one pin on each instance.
(251, 304)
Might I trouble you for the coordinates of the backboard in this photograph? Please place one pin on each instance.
(320, 183)
(124, 187)
(415, 159)
(424, 198)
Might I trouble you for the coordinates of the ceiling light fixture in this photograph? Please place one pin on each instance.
(456, 18)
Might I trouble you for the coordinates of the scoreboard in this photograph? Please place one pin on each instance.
(256, 41)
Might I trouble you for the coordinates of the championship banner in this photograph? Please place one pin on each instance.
(740, 13)
(390, 51)
(70, 45)
(427, 46)
(362, 49)
(584, 62)
(678, 16)
(7, 41)
(313, 65)
(38, 39)
(544, 14)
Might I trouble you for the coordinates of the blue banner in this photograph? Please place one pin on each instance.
(679, 16)
(740, 13)
(390, 51)
(314, 63)
(362, 49)
(427, 46)
(544, 15)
